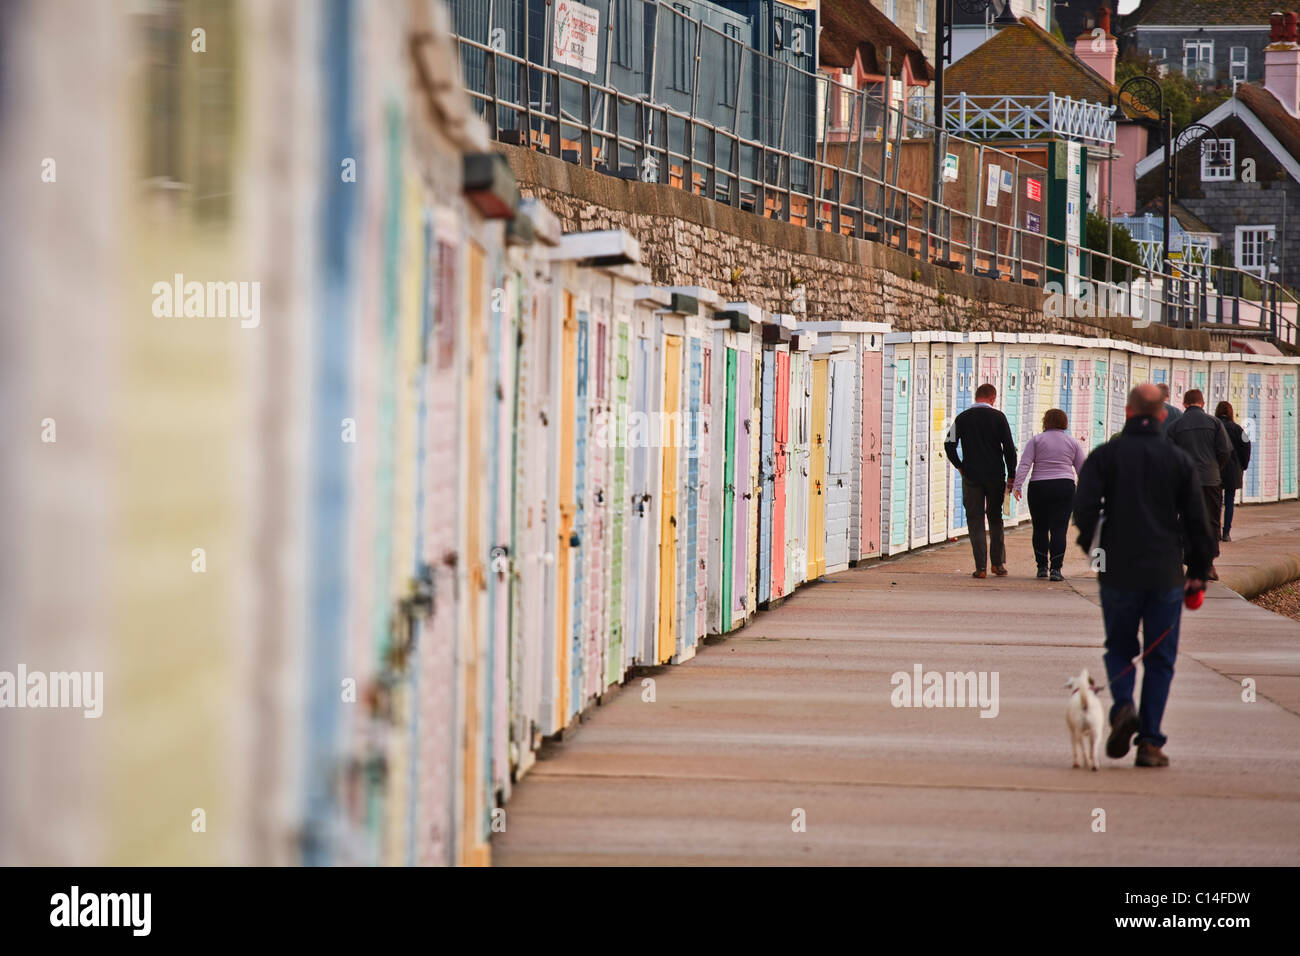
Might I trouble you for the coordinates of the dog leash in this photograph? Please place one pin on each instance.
(1134, 664)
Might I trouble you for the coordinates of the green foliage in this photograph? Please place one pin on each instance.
(1123, 246)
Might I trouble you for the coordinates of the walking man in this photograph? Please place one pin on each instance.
(987, 461)
(1205, 439)
(1140, 499)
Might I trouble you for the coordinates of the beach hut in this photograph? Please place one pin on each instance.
(776, 335)
(1287, 438)
(797, 456)
(964, 375)
(643, 495)
(896, 449)
(872, 433)
(737, 481)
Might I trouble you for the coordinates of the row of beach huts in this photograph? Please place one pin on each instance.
(346, 568)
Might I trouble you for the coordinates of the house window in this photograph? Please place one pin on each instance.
(1157, 54)
(1252, 246)
(920, 15)
(891, 9)
(1198, 60)
(1238, 65)
(1218, 159)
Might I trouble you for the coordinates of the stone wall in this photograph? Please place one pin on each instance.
(688, 240)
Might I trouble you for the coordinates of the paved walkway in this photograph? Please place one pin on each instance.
(794, 712)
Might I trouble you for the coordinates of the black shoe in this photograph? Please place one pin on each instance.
(1042, 572)
(1149, 755)
(1226, 537)
(1057, 575)
(1122, 730)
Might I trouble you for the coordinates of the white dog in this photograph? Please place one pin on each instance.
(1086, 719)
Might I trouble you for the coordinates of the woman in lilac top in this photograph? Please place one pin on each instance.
(1055, 457)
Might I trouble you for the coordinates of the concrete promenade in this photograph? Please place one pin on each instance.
(794, 712)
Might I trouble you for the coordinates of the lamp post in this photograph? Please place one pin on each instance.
(942, 53)
(1147, 97)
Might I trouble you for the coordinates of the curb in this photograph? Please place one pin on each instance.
(1252, 582)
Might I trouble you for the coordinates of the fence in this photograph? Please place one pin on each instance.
(689, 101)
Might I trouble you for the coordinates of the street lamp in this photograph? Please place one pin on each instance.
(1147, 97)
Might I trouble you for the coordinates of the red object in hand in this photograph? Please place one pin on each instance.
(1192, 599)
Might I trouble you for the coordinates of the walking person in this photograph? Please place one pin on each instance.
(1171, 414)
(1232, 473)
(1140, 499)
(987, 461)
(1054, 457)
(1204, 438)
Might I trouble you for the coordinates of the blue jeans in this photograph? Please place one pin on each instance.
(1156, 610)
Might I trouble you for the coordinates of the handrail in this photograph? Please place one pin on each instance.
(853, 193)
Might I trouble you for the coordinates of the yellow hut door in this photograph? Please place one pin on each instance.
(817, 474)
(473, 850)
(568, 509)
(668, 507)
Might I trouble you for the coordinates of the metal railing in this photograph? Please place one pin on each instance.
(688, 103)
(1029, 117)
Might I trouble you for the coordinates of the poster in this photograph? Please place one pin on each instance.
(1073, 214)
(1033, 222)
(950, 168)
(576, 36)
(1034, 189)
(995, 176)
(1008, 181)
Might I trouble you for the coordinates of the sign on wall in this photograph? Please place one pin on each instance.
(575, 36)
(950, 168)
(1034, 189)
(1073, 214)
(995, 176)
(1033, 222)
(1008, 181)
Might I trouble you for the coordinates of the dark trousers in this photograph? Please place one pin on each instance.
(1156, 611)
(1049, 507)
(982, 501)
(1213, 507)
(1229, 502)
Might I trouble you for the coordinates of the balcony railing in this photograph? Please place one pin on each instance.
(1029, 118)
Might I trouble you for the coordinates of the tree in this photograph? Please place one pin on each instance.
(1123, 246)
(1187, 100)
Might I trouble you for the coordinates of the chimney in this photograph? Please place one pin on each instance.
(1282, 62)
(1096, 45)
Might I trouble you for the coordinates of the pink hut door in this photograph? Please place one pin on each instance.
(872, 410)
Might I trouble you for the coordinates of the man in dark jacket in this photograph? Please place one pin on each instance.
(1138, 504)
(987, 462)
(1203, 437)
